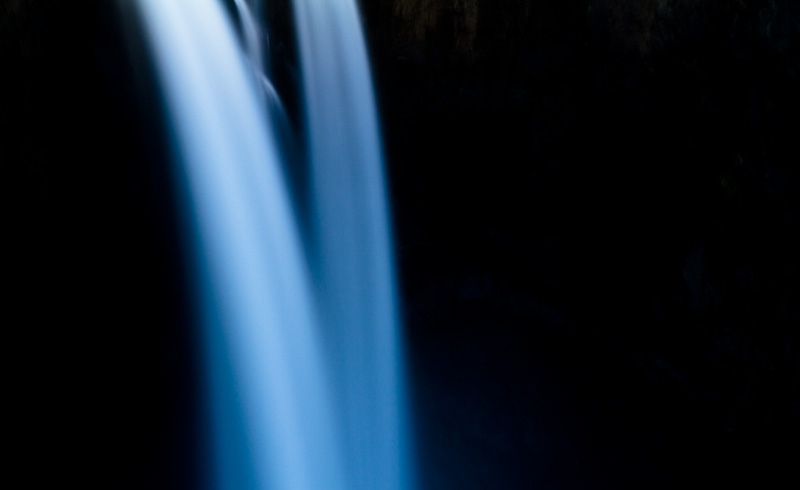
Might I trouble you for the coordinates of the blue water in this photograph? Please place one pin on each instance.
(352, 258)
(301, 352)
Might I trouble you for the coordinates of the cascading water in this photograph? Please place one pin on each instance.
(350, 226)
(303, 378)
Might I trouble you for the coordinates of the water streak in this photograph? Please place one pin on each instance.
(353, 263)
(269, 401)
(252, 36)
(287, 410)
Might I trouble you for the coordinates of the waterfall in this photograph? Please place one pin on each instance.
(350, 225)
(301, 353)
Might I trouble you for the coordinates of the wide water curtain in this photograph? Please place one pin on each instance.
(301, 352)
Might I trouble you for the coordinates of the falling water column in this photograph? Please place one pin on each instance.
(351, 250)
(265, 382)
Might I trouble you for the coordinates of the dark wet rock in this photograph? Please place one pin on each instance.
(626, 175)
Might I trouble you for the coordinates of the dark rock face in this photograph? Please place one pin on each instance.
(596, 223)
(102, 362)
(608, 187)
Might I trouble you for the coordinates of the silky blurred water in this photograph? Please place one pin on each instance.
(352, 256)
(300, 343)
(269, 399)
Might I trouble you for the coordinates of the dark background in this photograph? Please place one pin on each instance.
(595, 212)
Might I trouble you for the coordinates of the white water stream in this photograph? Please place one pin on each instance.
(301, 361)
